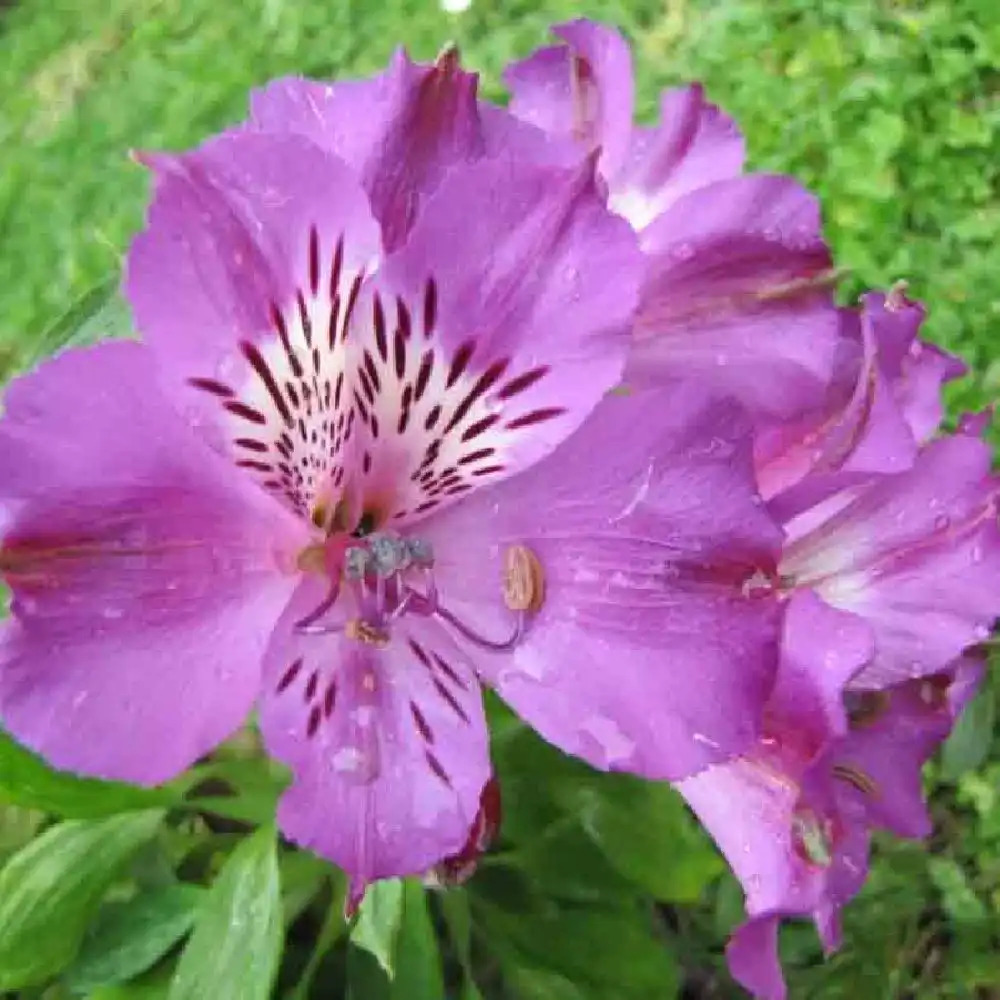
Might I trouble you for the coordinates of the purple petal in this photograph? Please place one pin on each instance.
(891, 747)
(582, 90)
(694, 145)
(858, 427)
(147, 574)
(915, 369)
(388, 746)
(241, 284)
(752, 956)
(916, 554)
(821, 650)
(655, 555)
(515, 328)
(797, 845)
(399, 131)
(735, 296)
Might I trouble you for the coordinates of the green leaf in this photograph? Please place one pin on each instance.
(234, 950)
(418, 974)
(958, 898)
(603, 951)
(26, 780)
(645, 831)
(366, 979)
(969, 743)
(98, 314)
(153, 985)
(378, 923)
(50, 890)
(130, 937)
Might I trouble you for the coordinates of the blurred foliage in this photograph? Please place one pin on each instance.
(600, 887)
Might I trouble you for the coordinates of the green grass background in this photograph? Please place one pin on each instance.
(889, 110)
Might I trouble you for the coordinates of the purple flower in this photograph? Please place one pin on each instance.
(363, 460)
(735, 291)
(882, 402)
(916, 554)
(793, 816)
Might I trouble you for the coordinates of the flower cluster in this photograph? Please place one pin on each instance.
(432, 394)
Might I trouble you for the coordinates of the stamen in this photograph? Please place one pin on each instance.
(865, 708)
(306, 625)
(812, 838)
(523, 580)
(505, 645)
(365, 632)
(857, 778)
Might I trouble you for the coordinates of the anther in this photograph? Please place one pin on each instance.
(812, 839)
(857, 778)
(523, 580)
(365, 632)
(865, 708)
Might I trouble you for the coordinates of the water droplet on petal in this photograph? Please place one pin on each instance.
(941, 522)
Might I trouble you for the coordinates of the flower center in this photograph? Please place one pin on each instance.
(354, 389)
(386, 576)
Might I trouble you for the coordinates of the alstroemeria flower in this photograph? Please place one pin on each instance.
(793, 817)
(354, 466)
(883, 401)
(916, 554)
(735, 292)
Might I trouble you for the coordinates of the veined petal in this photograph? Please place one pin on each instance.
(480, 348)
(581, 90)
(736, 295)
(796, 847)
(915, 370)
(890, 742)
(399, 131)
(916, 554)
(387, 743)
(694, 145)
(655, 557)
(242, 285)
(147, 574)
(473, 351)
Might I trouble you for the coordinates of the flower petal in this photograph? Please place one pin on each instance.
(399, 131)
(484, 346)
(796, 848)
(694, 145)
(388, 746)
(146, 573)
(915, 369)
(735, 295)
(650, 539)
(891, 747)
(916, 554)
(752, 956)
(242, 285)
(581, 90)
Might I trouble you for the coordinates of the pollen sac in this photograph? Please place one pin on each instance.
(812, 838)
(857, 778)
(523, 579)
(370, 635)
(865, 708)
